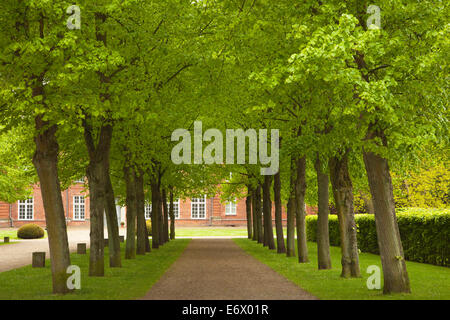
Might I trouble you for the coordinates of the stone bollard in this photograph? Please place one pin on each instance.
(106, 242)
(81, 248)
(122, 238)
(6, 240)
(38, 260)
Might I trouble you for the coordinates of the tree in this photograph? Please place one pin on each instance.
(267, 210)
(323, 238)
(35, 51)
(281, 248)
(343, 198)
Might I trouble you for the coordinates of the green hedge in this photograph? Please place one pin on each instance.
(30, 231)
(425, 234)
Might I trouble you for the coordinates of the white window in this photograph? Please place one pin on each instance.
(26, 209)
(81, 180)
(176, 208)
(230, 208)
(198, 208)
(78, 208)
(148, 211)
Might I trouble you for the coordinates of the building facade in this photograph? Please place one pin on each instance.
(201, 211)
(75, 202)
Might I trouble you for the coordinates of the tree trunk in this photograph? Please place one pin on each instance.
(290, 241)
(259, 214)
(115, 260)
(97, 211)
(142, 238)
(148, 247)
(45, 161)
(300, 217)
(155, 213)
(343, 198)
(131, 202)
(161, 219)
(254, 217)
(267, 209)
(102, 202)
(248, 209)
(323, 238)
(281, 248)
(166, 216)
(172, 216)
(391, 250)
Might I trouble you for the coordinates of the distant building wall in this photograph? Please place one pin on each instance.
(207, 212)
(34, 213)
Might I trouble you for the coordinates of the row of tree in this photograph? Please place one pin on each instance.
(103, 101)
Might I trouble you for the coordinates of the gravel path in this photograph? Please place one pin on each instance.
(220, 270)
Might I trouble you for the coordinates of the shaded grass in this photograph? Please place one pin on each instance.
(131, 281)
(427, 281)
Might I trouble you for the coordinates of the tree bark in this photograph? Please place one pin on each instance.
(254, 216)
(131, 202)
(166, 216)
(343, 198)
(281, 248)
(161, 218)
(155, 213)
(259, 222)
(142, 238)
(97, 193)
(323, 238)
(148, 247)
(248, 209)
(172, 216)
(396, 279)
(102, 202)
(300, 217)
(115, 260)
(45, 161)
(96, 210)
(267, 209)
(290, 241)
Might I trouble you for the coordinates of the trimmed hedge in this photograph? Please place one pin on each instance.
(30, 231)
(425, 236)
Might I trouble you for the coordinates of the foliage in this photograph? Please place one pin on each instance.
(30, 231)
(427, 187)
(148, 223)
(16, 170)
(425, 234)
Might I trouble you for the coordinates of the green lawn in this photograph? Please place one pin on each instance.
(12, 234)
(213, 232)
(131, 281)
(210, 231)
(427, 281)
